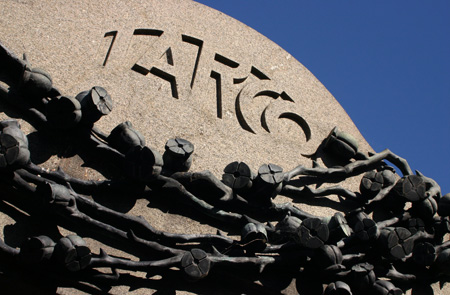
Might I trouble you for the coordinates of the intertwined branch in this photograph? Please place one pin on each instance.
(348, 247)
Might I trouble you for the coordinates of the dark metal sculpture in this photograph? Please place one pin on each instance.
(351, 250)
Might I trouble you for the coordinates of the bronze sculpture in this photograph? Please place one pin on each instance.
(290, 246)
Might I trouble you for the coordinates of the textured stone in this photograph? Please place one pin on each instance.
(178, 69)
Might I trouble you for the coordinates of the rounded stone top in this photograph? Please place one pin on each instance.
(181, 69)
(174, 70)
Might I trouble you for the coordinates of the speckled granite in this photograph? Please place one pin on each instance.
(176, 68)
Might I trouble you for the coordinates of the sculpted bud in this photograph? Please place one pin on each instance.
(95, 103)
(238, 176)
(396, 243)
(36, 249)
(415, 225)
(338, 288)
(267, 184)
(425, 209)
(143, 163)
(13, 144)
(288, 227)
(195, 264)
(367, 230)
(56, 196)
(411, 187)
(124, 137)
(178, 155)
(36, 82)
(373, 181)
(341, 144)
(362, 277)
(271, 174)
(73, 253)
(313, 233)
(338, 227)
(63, 112)
(254, 236)
(355, 216)
(383, 287)
(328, 258)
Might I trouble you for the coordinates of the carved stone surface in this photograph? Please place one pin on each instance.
(175, 69)
(180, 69)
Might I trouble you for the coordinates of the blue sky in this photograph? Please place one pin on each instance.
(386, 62)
